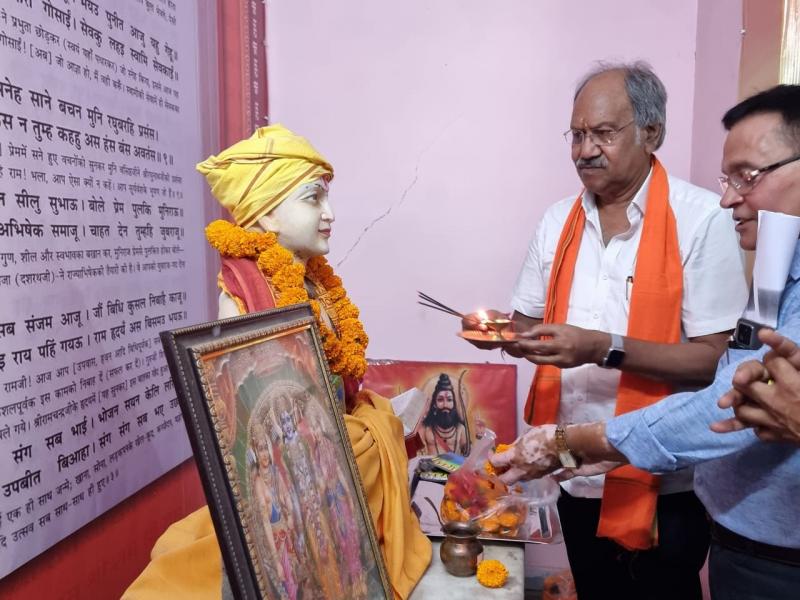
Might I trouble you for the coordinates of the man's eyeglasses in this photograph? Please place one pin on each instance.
(604, 136)
(746, 180)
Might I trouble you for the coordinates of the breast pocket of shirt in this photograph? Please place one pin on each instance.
(656, 297)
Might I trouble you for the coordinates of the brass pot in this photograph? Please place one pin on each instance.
(461, 549)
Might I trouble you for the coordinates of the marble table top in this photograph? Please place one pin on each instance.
(438, 583)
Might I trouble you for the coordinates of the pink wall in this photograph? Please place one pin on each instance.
(719, 44)
(448, 115)
(761, 45)
(443, 121)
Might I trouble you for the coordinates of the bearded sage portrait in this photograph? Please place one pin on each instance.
(275, 460)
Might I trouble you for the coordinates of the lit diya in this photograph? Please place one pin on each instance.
(495, 330)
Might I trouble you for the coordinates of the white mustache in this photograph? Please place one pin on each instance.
(596, 162)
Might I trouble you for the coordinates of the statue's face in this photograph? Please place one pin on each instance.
(303, 221)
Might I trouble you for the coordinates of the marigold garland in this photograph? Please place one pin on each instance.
(346, 353)
(492, 573)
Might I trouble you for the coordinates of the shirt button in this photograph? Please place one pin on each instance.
(595, 316)
(605, 276)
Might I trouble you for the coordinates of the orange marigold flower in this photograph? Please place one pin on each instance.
(290, 277)
(265, 241)
(298, 271)
(358, 366)
(224, 236)
(332, 347)
(348, 311)
(292, 297)
(336, 294)
(315, 308)
(492, 573)
(318, 267)
(488, 467)
(274, 259)
(332, 281)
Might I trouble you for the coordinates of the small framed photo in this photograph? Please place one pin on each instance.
(276, 463)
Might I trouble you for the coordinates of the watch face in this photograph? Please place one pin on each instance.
(567, 460)
(614, 358)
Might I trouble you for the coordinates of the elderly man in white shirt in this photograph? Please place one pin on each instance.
(591, 314)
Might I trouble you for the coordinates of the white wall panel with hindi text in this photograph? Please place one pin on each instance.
(100, 250)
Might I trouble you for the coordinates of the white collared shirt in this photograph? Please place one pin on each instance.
(714, 291)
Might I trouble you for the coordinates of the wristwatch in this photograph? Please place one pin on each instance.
(615, 354)
(565, 456)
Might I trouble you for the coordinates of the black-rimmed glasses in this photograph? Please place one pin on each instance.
(746, 180)
(601, 136)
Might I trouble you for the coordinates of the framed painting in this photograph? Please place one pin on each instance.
(448, 405)
(276, 464)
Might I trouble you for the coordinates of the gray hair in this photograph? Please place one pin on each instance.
(646, 93)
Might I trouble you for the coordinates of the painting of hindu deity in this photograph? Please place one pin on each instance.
(456, 402)
(302, 523)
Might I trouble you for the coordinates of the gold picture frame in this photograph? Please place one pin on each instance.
(276, 463)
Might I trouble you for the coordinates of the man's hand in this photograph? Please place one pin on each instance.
(766, 396)
(746, 374)
(531, 456)
(587, 470)
(566, 346)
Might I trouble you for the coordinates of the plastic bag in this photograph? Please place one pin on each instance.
(475, 493)
(559, 586)
(542, 524)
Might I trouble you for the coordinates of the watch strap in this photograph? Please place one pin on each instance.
(616, 352)
(565, 456)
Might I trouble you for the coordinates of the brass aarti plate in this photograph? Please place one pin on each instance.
(503, 337)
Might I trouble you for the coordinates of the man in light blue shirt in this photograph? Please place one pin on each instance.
(766, 393)
(750, 488)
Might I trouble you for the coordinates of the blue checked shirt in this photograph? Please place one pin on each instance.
(749, 486)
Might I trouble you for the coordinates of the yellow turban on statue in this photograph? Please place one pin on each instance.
(255, 175)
